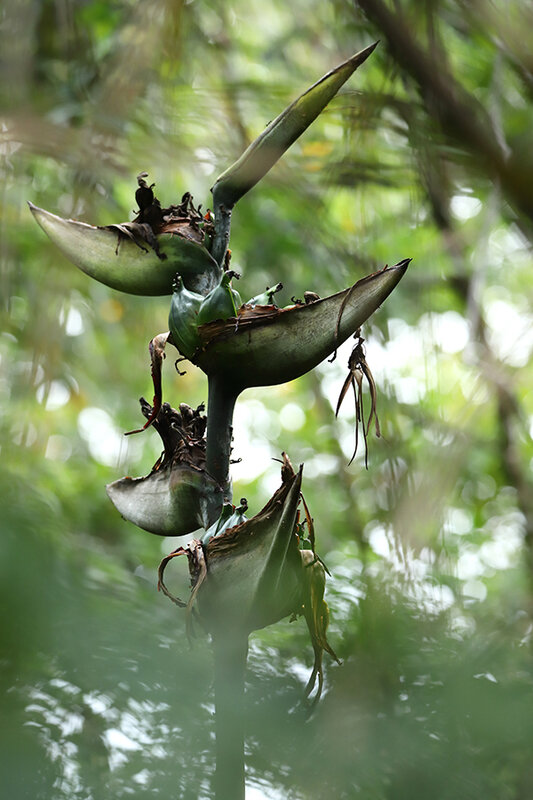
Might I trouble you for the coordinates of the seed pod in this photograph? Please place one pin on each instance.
(222, 303)
(183, 318)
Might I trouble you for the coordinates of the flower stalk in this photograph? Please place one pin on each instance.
(221, 404)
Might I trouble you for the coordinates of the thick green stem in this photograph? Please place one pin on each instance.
(230, 649)
(222, 230)
(221, 403)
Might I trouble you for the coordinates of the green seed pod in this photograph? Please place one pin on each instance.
(222, 303)
(183, 318)
(266, 298)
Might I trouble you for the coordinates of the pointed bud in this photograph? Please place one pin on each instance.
(183, 318)
(278, 136)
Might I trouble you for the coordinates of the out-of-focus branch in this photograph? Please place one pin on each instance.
(509, 413)
(458, 112)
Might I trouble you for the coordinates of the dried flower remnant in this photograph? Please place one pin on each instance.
(182, 433)
(359, 369)
(157, 354)
(144, 194)
(175, 498)
(182, 219)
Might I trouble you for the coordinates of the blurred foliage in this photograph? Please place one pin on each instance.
(425, 154)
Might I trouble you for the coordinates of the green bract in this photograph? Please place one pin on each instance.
(221, 303)
(183, 318)
(168, 502)
(121, 259)
(272, 345)
(252, 572)
(254, 569)
(278, 136)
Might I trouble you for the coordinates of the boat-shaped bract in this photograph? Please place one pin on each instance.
(119, 257)
(266, 345)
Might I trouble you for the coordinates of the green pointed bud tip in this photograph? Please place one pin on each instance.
(230, 517)
(268, 345)
(119, 256)
(278, 136)
(266, 298)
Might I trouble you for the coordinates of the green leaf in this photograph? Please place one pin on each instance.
(278, 136)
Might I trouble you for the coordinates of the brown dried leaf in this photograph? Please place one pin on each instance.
(358, 368)
(157, 354)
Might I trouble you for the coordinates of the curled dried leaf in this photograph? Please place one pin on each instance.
(316, 613)
(157, 354)
(359, 369)
(197, 571)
